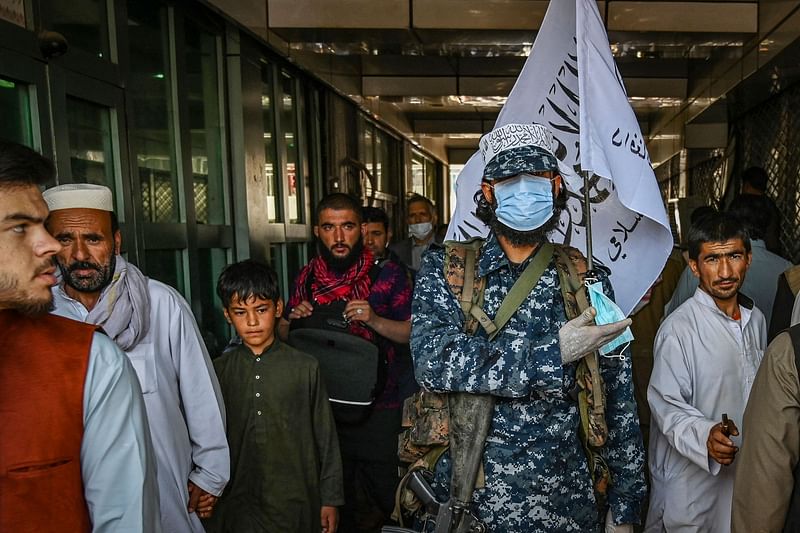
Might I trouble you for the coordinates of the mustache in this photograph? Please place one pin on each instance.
(726, 280)
(82, 265)
(44, 267)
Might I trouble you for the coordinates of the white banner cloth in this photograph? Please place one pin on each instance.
(570, 83)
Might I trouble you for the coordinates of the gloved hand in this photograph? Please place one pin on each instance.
(580, 336)
(611, 528)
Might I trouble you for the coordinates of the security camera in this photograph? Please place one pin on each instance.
(52, 44)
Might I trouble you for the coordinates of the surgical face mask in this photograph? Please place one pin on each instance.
(608, 312)
(421, 230)
(524, 203)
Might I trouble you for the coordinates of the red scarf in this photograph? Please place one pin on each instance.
(328, 285)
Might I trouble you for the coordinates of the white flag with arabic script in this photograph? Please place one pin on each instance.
(570, 83)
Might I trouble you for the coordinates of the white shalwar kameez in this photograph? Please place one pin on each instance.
(704, 366)
(183, 402)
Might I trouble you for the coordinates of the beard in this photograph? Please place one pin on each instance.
(94, 282)
(26, 304)
(340, 264)
(532, 237)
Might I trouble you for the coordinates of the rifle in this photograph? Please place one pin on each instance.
(470, 419)
(441, 513)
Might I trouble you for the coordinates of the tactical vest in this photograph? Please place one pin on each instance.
(426, 419)
(43, 362)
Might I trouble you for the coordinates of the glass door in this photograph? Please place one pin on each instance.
(23, 102)
(89, 132)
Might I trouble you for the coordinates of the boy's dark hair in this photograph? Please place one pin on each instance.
(755, 212)
(719, 227)
(757, 178)
(247, 279)
(339, 201)
(375, 214)
(19, 166)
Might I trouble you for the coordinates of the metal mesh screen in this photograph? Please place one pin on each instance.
(201, 199)
(707, 179)
(158, 200)
(769, 136)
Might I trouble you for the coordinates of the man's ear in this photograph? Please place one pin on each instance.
(363, 230)
(279, 308)
(693, 267)
(117, 242)
(316, 231)
(227, 316)
(558, 182)
(488, 192)
(388, 237)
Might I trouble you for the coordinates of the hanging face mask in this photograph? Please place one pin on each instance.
(524, 203)
(421, 230)
(608, 312)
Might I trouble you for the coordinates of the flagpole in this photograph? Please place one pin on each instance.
(588, 216)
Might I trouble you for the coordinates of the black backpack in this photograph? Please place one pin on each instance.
(354, 369)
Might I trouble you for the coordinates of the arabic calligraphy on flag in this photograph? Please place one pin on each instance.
(571, 84)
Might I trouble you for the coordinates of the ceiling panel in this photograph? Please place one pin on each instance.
(722, 17)
(370, 14)
(479, 14)
(448, 64)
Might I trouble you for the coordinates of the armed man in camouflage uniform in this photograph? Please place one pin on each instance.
(536, 474)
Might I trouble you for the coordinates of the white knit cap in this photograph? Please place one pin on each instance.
(79, 196)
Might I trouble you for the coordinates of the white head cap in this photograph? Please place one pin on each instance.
(512, 136)
(79, 196)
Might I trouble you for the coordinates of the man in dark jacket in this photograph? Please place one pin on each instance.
(766, 468)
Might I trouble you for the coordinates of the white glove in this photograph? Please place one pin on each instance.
(580, 336)
(611, 528)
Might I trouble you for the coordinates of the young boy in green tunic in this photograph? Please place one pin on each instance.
(286, 472)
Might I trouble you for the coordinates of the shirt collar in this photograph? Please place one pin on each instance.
(745, 305)
(59, 291)
(245, 350)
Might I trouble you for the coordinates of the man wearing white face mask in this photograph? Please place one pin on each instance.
(537, 478)
(422, 219)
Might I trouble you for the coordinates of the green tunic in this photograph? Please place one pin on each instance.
(285, 461)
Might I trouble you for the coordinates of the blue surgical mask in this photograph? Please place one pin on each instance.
(608, 312)
(524, 203)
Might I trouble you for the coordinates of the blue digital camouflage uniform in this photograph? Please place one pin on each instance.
(537, 477)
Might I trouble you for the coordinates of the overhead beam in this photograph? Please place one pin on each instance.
(657, 87)
(499, 86)
(712, 17)
(408, 86)
(510, 15)
(479, 14)
(342, 14)
(450, 125)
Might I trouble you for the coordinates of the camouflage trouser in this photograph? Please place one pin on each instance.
(642, 368)
(507, 508)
